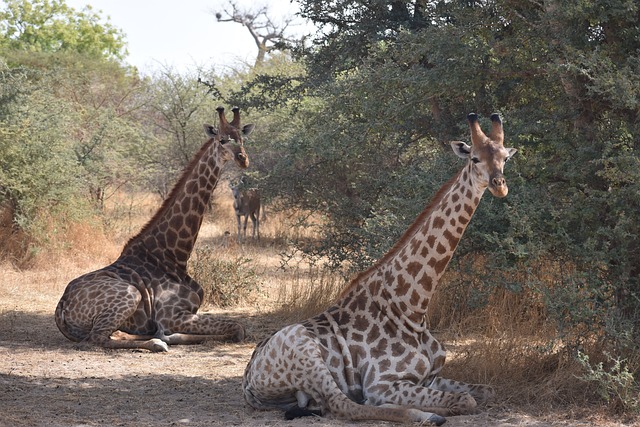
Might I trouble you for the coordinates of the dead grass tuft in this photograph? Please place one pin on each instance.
(509, 341)
(15, 242)
(309, 291)
(523, 371)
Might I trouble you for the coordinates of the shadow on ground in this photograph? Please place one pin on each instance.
(161, 399)
(38, 330)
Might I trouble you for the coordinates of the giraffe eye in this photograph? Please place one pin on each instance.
(475, 160)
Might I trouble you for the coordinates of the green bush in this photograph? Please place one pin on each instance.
(615, 384)
(226, 282)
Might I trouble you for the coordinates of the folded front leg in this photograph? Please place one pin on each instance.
(482, 393)
(410, 395)
(191, 328)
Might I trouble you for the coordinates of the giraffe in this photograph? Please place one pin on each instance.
(246, 203)
(145, 299)
(370, 355)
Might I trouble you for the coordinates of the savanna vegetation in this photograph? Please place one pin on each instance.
(352, 142)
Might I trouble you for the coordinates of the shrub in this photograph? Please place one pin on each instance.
(615, 385)
(226, 282)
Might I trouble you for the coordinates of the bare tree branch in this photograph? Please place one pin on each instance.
(267, 34)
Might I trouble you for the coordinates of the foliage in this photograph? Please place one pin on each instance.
(37, 170)
(388, 84)
(178, 105)
(67, 112)
(615, 384)
(225, 282)
(52, 26)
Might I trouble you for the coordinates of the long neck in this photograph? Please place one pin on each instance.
(172, 232)
(405, 279)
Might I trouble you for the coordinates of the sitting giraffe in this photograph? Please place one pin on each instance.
(146, 299)
(370, 356)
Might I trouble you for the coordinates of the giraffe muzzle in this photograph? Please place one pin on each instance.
(498, 186)
(242, 160)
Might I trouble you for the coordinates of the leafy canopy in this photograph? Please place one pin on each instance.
(52, 26)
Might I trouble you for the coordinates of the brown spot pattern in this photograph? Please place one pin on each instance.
(382, 352)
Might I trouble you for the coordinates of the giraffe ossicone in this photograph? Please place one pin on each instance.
(146, 299)
(370, 355)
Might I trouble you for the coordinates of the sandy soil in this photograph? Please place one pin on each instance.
(46, 381)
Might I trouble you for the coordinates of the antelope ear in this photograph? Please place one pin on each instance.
(247, 129)
(461, 149)
(210, 131)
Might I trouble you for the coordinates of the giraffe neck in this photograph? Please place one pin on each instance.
(403, 281)
(172, 232)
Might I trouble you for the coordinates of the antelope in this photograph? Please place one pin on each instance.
(246, 203)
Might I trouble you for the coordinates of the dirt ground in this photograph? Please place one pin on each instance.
(46, 381)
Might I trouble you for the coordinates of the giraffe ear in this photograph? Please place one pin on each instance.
(247, 129)
(461, 149)
(512, 152)
(210, 131)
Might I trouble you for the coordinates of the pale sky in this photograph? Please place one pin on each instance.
(183, 34)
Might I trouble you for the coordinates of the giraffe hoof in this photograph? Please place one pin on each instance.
(437, 420)
(158, 346)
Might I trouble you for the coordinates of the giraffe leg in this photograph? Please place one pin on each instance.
(194, 329)
(154, 344)
(149, 342)
(482, 393)
(103, 328)
(408, 394)
(123, 336)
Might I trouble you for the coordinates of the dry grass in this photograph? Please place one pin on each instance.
(506, 344)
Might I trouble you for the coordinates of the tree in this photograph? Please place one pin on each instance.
(179, 105)
(65, 116)
(38, 172)
(52, 26)
(268, 34)
(388, 83)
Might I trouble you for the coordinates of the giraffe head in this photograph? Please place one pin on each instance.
(231, 131)
(487, 155)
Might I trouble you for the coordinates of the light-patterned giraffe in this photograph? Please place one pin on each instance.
(370, 355)
(146, 299)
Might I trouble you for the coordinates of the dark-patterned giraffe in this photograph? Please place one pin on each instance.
(146, 299)
(370, 355)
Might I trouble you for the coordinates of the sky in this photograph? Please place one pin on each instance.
(183, 34)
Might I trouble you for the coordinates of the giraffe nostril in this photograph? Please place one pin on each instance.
(498, 182)
(243, 160)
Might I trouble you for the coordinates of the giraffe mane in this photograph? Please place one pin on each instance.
(402, 241)
(168, 201)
